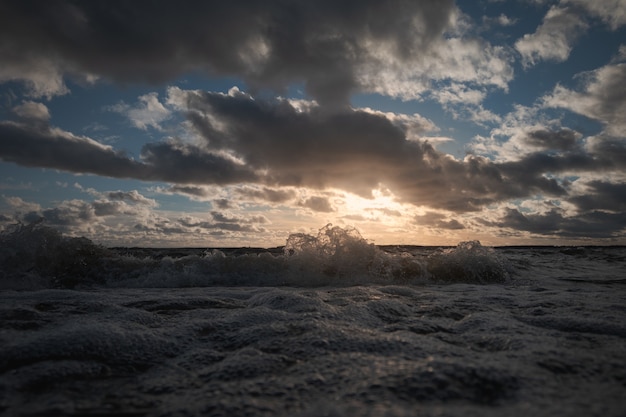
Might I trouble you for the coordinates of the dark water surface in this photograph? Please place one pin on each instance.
(321, 327)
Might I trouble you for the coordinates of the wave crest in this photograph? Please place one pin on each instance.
(37, 256)
(469, 262)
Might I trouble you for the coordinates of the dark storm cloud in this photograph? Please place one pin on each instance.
(535, 223)
(610, 150)
(564, 140)
(131, 196)
(602, 195)
(221, 227)
(268, 43)
(190, 190)
(223, 203)
(180, 162)
(592, 224)
(358, 151)
(438, 221)
(160, 226)
(319, 204)
(274, 144)
(302, 149)
(534, 170)
(266, 194)
(40, 145)
(109, 208)
(225, 222)
(232, 227)
(229, 218)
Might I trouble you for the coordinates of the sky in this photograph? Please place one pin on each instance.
(220, 124)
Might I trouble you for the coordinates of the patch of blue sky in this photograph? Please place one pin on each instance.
(174, 202)
(581, 124)
(524, 16)
(45, 186)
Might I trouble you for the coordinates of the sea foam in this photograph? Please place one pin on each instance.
(37, 256)
(286, 332)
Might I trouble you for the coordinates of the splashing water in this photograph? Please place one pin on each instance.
(343, 256)
(469, 262)
(40, 256)
(37, 256)
(258, 343)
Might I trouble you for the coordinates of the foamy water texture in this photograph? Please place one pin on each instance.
(36, 256)
(329, 326)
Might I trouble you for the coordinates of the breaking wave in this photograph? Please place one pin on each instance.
(37, 256)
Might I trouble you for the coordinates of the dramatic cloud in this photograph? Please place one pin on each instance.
(358, 151)
(148, 112)
(561, 140)
(603, 98)
(439, 221)
(31, 111)
(454, 62)
(602, 195)
(20, 206)
(593, 224)
(85, 214)
(554, 38)
(328, 45)
(222, 217)
(68, 213)
(266, 194)
(415, 126)
(610, 151)
(271, 143)
(180, 162)
(359, 111)
(191, 191)
(132, 196)
(611, 12)
(564, 24)
(320, 204)
(345, 149)
(222, 227)
(130, 214)
(224, 222)
(43, 76)
(39, 145)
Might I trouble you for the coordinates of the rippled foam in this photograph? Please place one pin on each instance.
(388, 350)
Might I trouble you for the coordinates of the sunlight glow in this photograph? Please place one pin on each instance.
(383, 201)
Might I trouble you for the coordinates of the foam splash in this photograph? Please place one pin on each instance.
(343, 255)
(469, 262)
(37, 256)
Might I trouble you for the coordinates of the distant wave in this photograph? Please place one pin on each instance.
(37, 256)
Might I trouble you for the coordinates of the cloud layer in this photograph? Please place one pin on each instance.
(532, 172)
(242, 140)
(327, 45)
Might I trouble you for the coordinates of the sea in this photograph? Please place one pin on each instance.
(326, 325)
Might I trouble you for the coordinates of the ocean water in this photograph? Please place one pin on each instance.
(328, 325)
